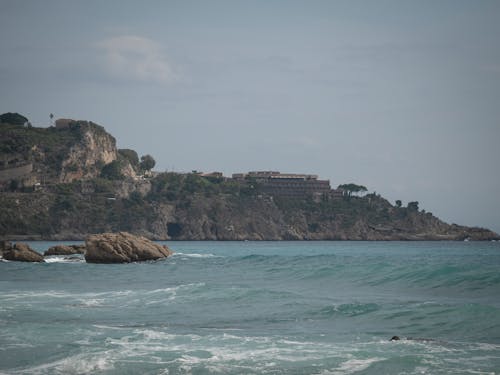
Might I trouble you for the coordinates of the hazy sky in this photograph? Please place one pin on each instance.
(400, 96)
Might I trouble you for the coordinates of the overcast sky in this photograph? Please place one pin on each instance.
(400, 96)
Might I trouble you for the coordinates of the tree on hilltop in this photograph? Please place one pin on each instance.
(351, 188)
(13, 119)
(130, 155)
(413, 206)
(147, 162)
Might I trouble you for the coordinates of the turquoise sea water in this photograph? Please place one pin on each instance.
(258, 308)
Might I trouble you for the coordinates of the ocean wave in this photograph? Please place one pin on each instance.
(195, 255)
(174, 289)
(91, 303)
(64, 259)
(352, 366)
(347, 309)
(115, 350)
(108, 294)
(376, 272)
(77, 364)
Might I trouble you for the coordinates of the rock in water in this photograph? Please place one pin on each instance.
(65, 250)
(4, 246)
(21, 252)
(122, 247)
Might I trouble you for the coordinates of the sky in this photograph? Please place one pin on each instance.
(400, 96)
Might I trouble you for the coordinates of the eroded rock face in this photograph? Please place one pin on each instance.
(65, 250)
(21, 252)
(96, 147)
(122, 247)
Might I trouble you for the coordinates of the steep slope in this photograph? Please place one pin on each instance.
(31, 155)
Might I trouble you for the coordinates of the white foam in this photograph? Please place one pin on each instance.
(62, 294)
(217, 352)
(195, 255)
(100, 326)
(174, 289)
(33, 294)
(482, 346)
(93, 302)
(78, 364)
(354, 365)
(63, 259)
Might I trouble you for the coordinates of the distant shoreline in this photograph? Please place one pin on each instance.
(21, 238)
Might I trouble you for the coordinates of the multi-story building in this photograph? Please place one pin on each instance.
(287, 184)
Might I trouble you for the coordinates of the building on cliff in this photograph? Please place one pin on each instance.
(288, 185)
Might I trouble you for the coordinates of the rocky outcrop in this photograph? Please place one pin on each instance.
(21, 252)
(221, 217)
(65, 250)
(4, 246)
(122, 247)
(85, 158)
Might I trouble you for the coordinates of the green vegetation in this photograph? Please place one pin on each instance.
(102, 186)
(174, 186)
(131, 156)
(413, 206)
(43, 145)
(351, 188)
(13, 119)
(147, 162)
(112, 171)
(16, 139)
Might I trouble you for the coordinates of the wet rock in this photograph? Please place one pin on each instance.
(21, 252)
(122, 247)
(4, 246)
(65, 250)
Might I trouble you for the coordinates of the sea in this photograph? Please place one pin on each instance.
(257, 308)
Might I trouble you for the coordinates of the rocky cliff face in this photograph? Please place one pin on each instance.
(257, 218)
(76, 151)
(222, 217)
(85, 158)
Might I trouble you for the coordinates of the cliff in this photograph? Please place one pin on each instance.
(217, 215)
(77, 151)
(81, 184)
(85, 158)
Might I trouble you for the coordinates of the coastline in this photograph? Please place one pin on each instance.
(411, 238)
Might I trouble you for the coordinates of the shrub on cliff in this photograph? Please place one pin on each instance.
(131, 156)
(112, 171)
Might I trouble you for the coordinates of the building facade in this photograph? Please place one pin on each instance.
(289, 185)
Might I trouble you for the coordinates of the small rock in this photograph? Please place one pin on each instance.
(65, 250)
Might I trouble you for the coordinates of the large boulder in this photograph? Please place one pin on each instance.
(65, 250)
(122, 247)
(21, 252)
